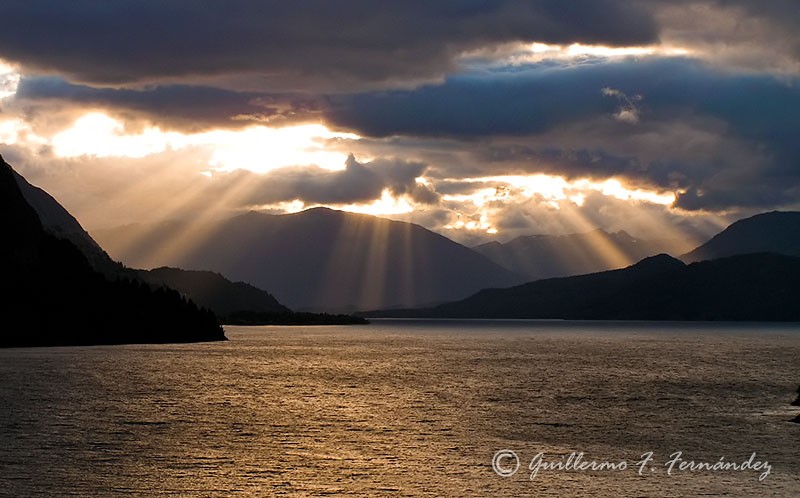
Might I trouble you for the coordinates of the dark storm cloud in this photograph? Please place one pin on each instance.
(479, 104)
(293, 44)
(357, 183)
(727, 139)
(176, 106)
(178, 102)
(719, 127)
(716, 180)
(569, 162)
(750, 34)
(748, 192)
(540, 97)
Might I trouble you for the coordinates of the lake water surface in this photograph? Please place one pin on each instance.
(408, 408)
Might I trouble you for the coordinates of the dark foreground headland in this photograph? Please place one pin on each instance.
(53, 296)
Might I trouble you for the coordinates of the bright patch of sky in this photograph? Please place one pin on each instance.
(258, 148)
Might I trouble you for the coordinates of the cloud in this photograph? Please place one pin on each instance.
(709, 133)
(110, 191)
(357, 183)
(274, 45)
(709, 136)
(184, 107)
(627, 112)
(428, 82)
(748, 35)
(707, 166)
(471, 105)
(540, 97)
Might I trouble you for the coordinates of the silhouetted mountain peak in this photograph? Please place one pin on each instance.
(657, 263)
(776, 231)
(493, 243)
(325, 260)
(322, 210)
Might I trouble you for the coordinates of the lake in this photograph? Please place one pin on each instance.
(411, 408)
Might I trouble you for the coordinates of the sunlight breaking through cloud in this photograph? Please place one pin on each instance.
(9, 79)
(530, 53)
(555, 188)
(388, 204)
(261, 149)
(479, 210)
(257, 148)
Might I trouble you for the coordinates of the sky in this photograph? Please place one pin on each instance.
(481, 120)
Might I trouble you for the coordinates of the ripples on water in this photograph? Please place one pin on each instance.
(403, 409)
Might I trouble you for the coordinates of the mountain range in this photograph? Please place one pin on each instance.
(752, 287)
(749, 271)
(329, 260)
(548, 256)
(324, 259)
(777, 232)
(319, 259)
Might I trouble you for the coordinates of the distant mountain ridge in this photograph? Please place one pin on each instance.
(549, 256)
(319, 259)
(215, 292)
(777, 232)
(752, 287)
